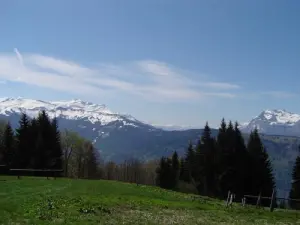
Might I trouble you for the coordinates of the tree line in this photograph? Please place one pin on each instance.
(35, 144)
(38, 144)
(215, 165)
(212, 166)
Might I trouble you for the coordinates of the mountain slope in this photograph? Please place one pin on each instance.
(71, 110)
(275, 122)
(119, 137)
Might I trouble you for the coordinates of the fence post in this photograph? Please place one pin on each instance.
(272, 201)
(243, 201)
(228, 197)
(258, 200)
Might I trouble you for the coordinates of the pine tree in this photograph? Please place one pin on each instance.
(161, 176)
(175, 169)
(164, 177)
(44, 142)
(8, 145)
(295, 190)
(241, 163)
(221, 138)
(182, 170)
(33, 141)
(206, 156)
(56, 150)
(261, 169)
(230, 135)
(222, 160)
(23, 148)
(189, 164)
(91, 161)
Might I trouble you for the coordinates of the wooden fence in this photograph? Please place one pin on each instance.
(4, 170)
(258, 198)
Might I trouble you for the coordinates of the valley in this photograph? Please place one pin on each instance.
(119, 137)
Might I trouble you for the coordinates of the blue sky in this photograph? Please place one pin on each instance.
(162, 61)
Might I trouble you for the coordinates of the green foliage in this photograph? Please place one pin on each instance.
(23, 146)
(8, 145)
(295, 190)
(168, 172)
(262, 179)
(217, 166)
(36, 144)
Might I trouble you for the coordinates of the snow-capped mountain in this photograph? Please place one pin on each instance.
(275, 122)
(119, 137)
(71, 110)
(116, 136)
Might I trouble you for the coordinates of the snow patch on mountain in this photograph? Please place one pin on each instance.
(73, 110)
(274, 122)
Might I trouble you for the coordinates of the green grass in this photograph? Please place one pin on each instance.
(64, 201)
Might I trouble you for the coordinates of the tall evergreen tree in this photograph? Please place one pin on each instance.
(56, 150)
(233, 161)
(33, 141)
(44, 142)
(164, 171)
(8, 145)
(261, 169)
(295, 190)
(221, 138)
(241, 163)
(223, 159)
(182, 169)
(23, 147)
(206, 156)
(189, 163)
(175, 169)
(91, 161)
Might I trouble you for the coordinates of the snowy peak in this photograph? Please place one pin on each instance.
(279, 117)
(275, 122)
(74, 110)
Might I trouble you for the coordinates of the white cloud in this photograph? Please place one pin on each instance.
(152, 80)
(219, 85)
(19, 56)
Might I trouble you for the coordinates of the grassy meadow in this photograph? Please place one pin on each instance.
(66, 201)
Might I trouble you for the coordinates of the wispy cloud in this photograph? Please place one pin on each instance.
(149, 79)
(279, 94)
(19, 56)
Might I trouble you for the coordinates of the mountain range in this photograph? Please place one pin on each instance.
(118, 136)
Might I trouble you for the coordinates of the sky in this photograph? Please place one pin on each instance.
(162, 61)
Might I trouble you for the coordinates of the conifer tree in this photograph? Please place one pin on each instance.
(223, 159)
(44, 139)
(295, 190)
(221, 138)
(33, 141)
(182, 169)
(91, 160)
(262, 179)
(175, 170)
(189, 163)
(162, 173)
(206, 161)
(23, 147)
(241, 163)
(230, 135)
(8, 145)
(56, 150)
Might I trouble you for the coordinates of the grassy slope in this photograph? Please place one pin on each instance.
(26, 201)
